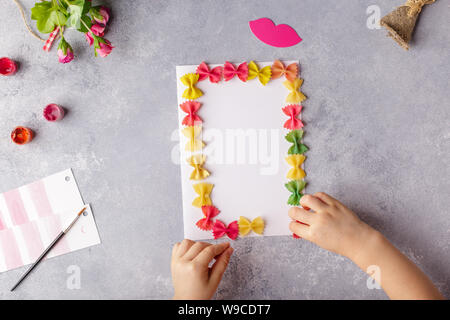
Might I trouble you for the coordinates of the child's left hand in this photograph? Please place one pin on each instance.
(192, 278)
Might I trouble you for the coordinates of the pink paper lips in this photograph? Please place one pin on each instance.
(53, 112)
(280, 36)
(7, 67)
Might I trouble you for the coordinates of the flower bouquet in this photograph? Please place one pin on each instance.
(54, 16)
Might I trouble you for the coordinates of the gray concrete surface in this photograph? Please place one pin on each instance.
(377, 122)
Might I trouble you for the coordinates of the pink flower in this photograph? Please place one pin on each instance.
(105, 49)
(98, 30)
(65, 58)
(102, 15)
(65, 51)
(89, 38)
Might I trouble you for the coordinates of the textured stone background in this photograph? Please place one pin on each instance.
(377, 124)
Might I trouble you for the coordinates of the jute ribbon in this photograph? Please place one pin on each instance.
(415, 6)
(26, 23)
(52, 37)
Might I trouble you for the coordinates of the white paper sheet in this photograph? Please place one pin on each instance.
(33, 215)
(242, 187)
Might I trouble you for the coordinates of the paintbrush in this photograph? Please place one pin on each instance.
(42, 256)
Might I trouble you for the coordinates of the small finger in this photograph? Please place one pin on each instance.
(301, 214)
(326, 198)
(175, 250)
(221, 264)
(312, 202)
(299, 229)
(184, 247)
(195, 250)
(208, 253)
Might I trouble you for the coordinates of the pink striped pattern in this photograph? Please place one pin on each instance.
(15, 207)
(10, 249)
(29, 230)
(39, 196)
(2, 224)
(32, 240)
(53, 227)
(32, 237)
(51, 38)
(28, 223)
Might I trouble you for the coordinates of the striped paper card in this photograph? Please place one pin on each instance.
(33, 215)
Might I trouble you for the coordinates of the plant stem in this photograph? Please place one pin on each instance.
(55, 3)
(89, 29)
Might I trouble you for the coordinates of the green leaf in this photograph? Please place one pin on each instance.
(40, 10)
(87, 22)
(95, 12)
(64, 46)
(86, 7)
(47, 16)
(63, 8)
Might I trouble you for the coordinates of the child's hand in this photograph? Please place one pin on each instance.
(331, 226)
(192, 278)
(336, 228)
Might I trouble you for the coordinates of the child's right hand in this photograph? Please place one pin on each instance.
(331, 226)
(334, 227)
